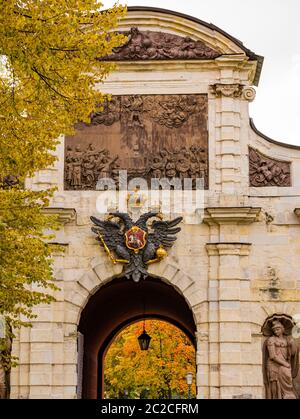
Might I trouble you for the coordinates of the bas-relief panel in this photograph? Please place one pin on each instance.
(150, 136)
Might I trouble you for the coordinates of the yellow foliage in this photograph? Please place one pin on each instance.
(160, 370)
(50, 67)
(49, 70)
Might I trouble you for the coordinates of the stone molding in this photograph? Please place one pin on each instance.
(220, 249)
(231, 215)
(65, 215)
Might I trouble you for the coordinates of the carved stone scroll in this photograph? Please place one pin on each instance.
(148, 45)
(267, 171)
(150, 136)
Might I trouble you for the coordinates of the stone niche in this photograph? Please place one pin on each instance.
(150, 136)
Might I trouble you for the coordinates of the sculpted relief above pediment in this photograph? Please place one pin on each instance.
(150, 45)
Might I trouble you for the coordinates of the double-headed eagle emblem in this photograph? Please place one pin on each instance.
(136, 244)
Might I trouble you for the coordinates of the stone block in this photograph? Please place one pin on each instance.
(230, 375)
(107, 270)
(230, 353)
(229, 293)
(182, 281)
(41, 379)
(70, 392)
(40, 392)
(170, 271)
(42, 356)
(89, 281)
(71, 313)
(230, 332)
(227, 133)
(203, 376)
(227, 104)
(201, 313)
(195, 296)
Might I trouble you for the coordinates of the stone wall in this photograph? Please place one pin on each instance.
(224, 266)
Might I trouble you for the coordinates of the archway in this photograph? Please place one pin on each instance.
(117, 304)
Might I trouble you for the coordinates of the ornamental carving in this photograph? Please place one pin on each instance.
(150, 136)
(267, 171)
(149, 45)
(227, 90)
(249, 94)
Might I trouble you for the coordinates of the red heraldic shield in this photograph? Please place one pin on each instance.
(135, 238)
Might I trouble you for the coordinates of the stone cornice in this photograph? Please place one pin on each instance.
(209, 65)
(237, 249)
(231, 215)
(65, 215)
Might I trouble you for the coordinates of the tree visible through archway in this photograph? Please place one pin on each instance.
(158, 373)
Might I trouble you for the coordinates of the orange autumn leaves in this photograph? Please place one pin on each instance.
(156, 373)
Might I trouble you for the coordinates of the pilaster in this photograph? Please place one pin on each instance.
(228, 295)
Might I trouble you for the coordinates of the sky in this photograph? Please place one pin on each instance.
(269, 28)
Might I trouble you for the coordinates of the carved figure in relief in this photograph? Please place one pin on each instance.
(106, 167)
(69, 164)
(109, 115)
(134, 105)
(84, 168)
(76, 168)
(171, 167)
(183, 167)
(280, 363)
(157, 166)
(88, 170)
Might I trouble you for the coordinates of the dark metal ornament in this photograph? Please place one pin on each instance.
(144, 340)
(136, 244)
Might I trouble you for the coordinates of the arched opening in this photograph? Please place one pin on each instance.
(116, 305)
(158, 364)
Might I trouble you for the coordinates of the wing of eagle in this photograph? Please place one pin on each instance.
(163, 234)
(112, 236)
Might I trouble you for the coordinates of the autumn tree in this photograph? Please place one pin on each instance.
(50, 72)
(158, 372)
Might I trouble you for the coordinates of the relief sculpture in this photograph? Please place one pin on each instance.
(149, 45)
(280, 358)
(83, 168)
(267, 171)
(150, 136)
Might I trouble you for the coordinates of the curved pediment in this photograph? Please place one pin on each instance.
(159, 34)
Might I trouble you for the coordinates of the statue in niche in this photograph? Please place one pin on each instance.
(280, 359)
